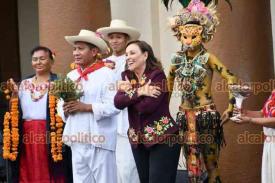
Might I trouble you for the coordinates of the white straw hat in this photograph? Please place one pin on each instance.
(119, 26)
(89, 37)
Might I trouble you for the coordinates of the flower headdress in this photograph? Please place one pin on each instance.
(185, 3)
(197, 12)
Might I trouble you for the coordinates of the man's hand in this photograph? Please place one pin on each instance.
(76, 106)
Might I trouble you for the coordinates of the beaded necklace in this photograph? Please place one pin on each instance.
(42, 89)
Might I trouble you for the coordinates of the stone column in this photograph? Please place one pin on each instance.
(244, 43)
(59, 18)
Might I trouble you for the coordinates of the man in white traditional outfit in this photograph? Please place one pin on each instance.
(90, 129)
(118, 34)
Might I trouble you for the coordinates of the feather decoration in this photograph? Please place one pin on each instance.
(185, 3)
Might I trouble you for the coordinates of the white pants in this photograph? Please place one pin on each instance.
(126, 165)
(93, 165)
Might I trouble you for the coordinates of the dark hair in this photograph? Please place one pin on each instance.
(43, 48)
(151, 62)
(126, 35)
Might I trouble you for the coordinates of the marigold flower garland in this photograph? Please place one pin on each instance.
(11, 132)
(56, 125)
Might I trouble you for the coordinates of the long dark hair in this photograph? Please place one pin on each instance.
(151, 62)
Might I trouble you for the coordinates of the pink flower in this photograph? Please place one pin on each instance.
(197, 6)
(98, 34)
(149, 130)
(165, 120)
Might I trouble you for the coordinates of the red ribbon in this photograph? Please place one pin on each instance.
(92, 68)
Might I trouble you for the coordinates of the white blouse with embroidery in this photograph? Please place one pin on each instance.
(32, 110)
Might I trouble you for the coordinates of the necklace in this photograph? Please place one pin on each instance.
(141, 81)
(191, 73)
(38, 88)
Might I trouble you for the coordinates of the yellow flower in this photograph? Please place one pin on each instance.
(159, 127)
(73, 66)
(133, 81)
(11, 135)
(56, 126)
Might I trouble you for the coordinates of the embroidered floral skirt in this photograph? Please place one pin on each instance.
(203, 137)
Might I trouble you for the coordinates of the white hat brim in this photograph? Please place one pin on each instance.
(98, 42)
(132, 32)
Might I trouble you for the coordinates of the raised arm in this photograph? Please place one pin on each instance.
(148, 104)
(125, 95)
(125, 99)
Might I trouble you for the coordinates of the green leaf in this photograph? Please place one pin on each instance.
(206, 2)
(184, 3)
(65, 88)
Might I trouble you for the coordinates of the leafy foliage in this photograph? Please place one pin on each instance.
(66, 89)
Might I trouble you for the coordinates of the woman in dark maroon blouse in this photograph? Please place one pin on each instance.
(152, 131)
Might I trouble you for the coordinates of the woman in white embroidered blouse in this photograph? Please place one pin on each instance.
(34, 128)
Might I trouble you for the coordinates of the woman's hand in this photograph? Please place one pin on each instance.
(76, 106)
(13, 87)
(243, 120)
(149, 90)
(124, 85)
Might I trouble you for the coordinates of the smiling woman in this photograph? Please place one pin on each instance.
(151, 126)
(42, 61)
(36, 113)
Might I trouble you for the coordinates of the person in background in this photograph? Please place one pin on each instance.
(118, 34)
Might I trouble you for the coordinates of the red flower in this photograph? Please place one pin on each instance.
(165, 120)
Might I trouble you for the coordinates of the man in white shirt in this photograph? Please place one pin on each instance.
(90, 128)
(118, 34)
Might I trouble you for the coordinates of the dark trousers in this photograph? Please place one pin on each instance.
(157, 164)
